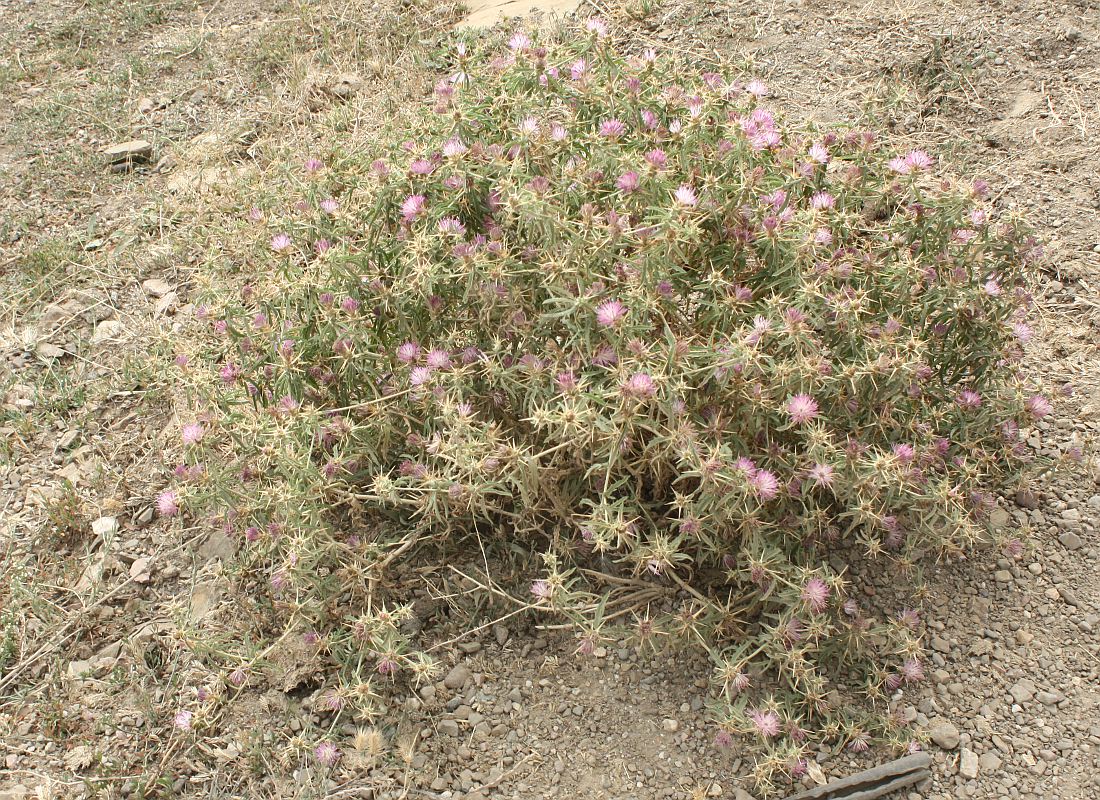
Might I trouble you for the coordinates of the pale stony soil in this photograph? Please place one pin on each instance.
(106, 614)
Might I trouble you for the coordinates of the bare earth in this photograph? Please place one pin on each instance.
(111, 620)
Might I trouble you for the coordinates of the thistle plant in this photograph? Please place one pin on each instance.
(617, 314)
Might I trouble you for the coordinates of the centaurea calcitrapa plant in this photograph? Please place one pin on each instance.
(613, 312)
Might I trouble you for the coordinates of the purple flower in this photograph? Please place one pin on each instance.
(815, 594)
(821, 475)
(408, 352)
(578, 69)
(766, 723)
(628, 181)
(326, 753)
(640, 385)
(280, 242)
(912, 671)
(610, 313)
(419, 376)
(612, 128)
(822, 201)
(657, 158)
(904, 453)
(313, 165)
(1038, 406)
(412, 207)
(192, 433)
(969, 400)
(764, 484)
(182, 720)
(542, 590)
(802, 408)
(685, 196)
(757, 88)
(168, 503)
(329, 206)
(438, 359)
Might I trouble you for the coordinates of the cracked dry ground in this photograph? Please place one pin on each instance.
(104, 609)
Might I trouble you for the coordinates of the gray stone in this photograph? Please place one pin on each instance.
(105, 527)
(1022, 691)
(126, 152)
(218, 545)
(1071, 541)
(155, 287)
(1050, 698)
(943, 733)
(1002, 576)
(457, 677)
(448, 727)
(968, 764)
(989, 762)
(106, 331)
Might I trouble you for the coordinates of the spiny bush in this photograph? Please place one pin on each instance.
(612, 312)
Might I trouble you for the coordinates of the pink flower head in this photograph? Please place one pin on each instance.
(628, 181)
(918, 160)
(519, 42)
(802, 408)
(766, 723)
(969, 399)
(408, 352)
(815, 594)
(578, 69)
(421, 166)
(612, 128)
(1022, 331)
(454, 147)
(255, 214)
(821, 475)
(822, 201)
(904, 452)
(597, 26)
(912, 671)
(610, 313)
(1038, 406)
(193, 433)
(182, 720)
(438, 359)
(685, 196)
(326, 753)
(640, 384)
(764, 484)
(819, 153)
(757, 88)
(280, 242)
(329, 206)
(412, 207)
(657, 158)
(529, 126)
(419, 376)
(168, 503)
(542, 590)
(650, 120)
(313, 165)
(230, 373)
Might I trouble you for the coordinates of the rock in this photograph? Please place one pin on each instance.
(989, 762)
(940, 645)
(968, 764)
(139, 570)
(1002, 576)
(1070, 540)
(166, 305)
(204, 598)
(1049, 698)
(129, 152)
(155, 287)
(741, 794)
(457, 677)
(49, 351)
(998, 518)
(448, 727)
(106, 331)
(943, 733)
(345, 86)
(1026, 499)
(715, 790)
(105, 527)
(218, 545)
(670, 726)
(143, 517)
(1022, 691)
